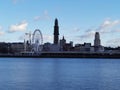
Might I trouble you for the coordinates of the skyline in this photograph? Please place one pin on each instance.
(78, 20)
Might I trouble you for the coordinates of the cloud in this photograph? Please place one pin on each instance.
(44, 16)
(1, 31)
(22, 37)
(76, 29)
(109, 23)
(117, 30)
(22, 26)
(113, 42)
(88, 34)
(1, 28)
(108, 26)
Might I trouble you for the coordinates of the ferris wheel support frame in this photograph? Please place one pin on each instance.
(35, 46)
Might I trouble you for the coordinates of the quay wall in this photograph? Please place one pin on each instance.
(66, 55)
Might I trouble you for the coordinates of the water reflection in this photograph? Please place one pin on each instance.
(59, 74)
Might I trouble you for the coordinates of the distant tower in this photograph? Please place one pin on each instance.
(56, 32)
(97, 41)
(62, 43)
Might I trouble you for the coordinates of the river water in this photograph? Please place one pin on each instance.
(59, 74)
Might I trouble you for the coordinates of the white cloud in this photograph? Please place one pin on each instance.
(108, 26)
(110, 23)
(113, 42)
(18, 27)
(1, 30)
(44, 16)
(2, 33)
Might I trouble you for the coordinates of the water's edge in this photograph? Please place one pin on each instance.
(66, 55)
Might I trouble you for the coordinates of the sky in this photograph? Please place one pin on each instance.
(78, 20)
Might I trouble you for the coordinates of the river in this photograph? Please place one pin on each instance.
(59, 74)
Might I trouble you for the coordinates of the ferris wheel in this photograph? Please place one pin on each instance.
(37, 41)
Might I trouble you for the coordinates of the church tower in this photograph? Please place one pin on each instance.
(56, 32)
(97, 41)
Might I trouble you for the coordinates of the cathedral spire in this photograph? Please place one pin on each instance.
(56, 22)
(56, 32)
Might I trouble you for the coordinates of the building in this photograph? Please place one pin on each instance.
(46, 46)
(51, 47)
(56, 32)
(11, 48)
(86, 47)
(97, 43)
(68, 46)
(55, 46)
(62, 43)
(4, 48)
(17, 48)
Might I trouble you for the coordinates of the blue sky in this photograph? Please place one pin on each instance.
(78, 20)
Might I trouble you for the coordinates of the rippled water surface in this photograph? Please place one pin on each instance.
(59, 74)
